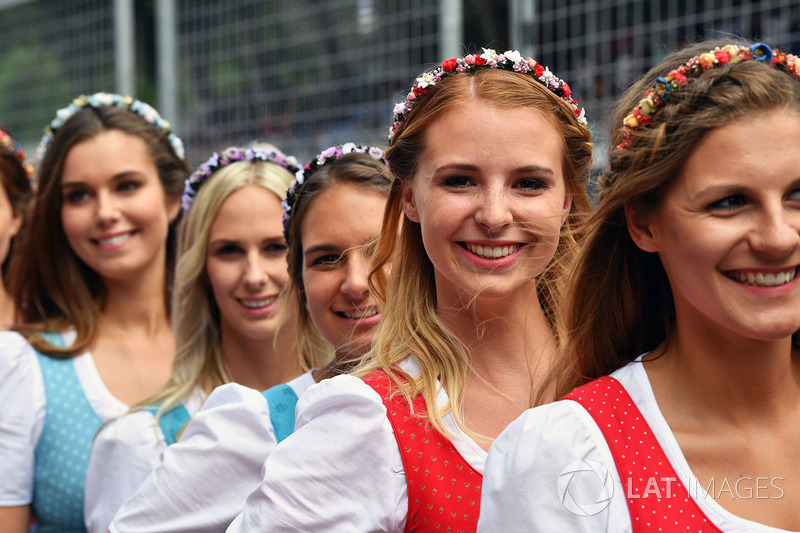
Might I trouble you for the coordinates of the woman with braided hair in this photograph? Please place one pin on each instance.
(90, 277)
(681, 318)
(15, 195)
(490, 155)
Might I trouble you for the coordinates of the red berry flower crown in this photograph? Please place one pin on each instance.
(232, 154)
(659, 94)
(97, 100)
(13, 147)
(326, 156)
(510, 60)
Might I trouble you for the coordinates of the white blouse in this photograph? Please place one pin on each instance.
(521, 490)
(341, 470)
(24, 403)
(201, 482)
(123, 453)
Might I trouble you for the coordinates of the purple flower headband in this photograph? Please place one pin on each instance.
(97, 100)
(658, 95)
(231, 155)
(326, 156)
(7, 142)
(510, 60)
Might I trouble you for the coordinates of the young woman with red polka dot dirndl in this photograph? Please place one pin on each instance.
(684, 307)
(490, 156)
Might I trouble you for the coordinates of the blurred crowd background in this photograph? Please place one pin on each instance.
(305, 74)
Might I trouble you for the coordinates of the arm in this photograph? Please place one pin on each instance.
(340, 471)
(532, 467)
(202, 481)
(23, 404)
(129, 447)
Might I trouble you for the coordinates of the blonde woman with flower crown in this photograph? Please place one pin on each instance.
(490, 155)
(201, 482)
(682, 361)
(230, 271)
(90, 278)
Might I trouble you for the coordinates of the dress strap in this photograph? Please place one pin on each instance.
(444, 490)
(282, 401)
(657, 499)
(171, 422)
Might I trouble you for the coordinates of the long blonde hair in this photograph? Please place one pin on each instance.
(411, 324)
(195, 317)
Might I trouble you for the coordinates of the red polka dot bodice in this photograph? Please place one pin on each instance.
(444, 490)
(657, 500)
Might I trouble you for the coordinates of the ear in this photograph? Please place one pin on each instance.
(16, 224)
(566, 208)
(173, 208)
(409, 204)
(640, 227)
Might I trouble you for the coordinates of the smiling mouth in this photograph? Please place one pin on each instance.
(257, 303)
(359, 314)
(116, 239)
(491, 252)
(763, 279)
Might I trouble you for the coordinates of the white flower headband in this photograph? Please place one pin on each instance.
(231, 155)
(97, 100)
(326, 156)
(510, 60)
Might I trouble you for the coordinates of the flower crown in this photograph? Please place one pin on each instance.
(231, 155)
(326, 156)
(7, 142)
(97, 100)
(510, 60)
(658, 95)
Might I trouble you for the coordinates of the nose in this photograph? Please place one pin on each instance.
(777, 233)
(107, 209)
(493, 212)
(255, 272)
(355, 285)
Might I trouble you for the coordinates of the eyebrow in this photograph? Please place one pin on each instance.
(521, 170)
(116, 177)
(228, 240)
(321, 248)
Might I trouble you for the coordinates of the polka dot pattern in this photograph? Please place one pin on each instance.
(444, 490)
(657, 500)
(282, 401)
(62, 454)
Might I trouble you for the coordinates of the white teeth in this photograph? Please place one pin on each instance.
(760, 279)
(257, 304)
(359, 314)
(113, 240)
(492, 252)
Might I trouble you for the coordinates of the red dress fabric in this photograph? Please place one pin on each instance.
(444, 490)
(657, 500)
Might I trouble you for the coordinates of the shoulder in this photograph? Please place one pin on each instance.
(347, 396)
(20, 372)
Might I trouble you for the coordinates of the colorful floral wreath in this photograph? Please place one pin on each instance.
(97, 100)
(7, 142)
(326, 156)
(510, 60)
(658, 95)
(232, 154)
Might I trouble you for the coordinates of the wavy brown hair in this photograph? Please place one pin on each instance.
(52, 287)
(14, 181)
(618, 303)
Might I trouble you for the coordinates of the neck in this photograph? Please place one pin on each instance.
(259, 364)
(724, 377)
(137, 304)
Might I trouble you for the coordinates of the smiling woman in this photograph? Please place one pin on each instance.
(685, 307)
(90, 280)
(490, 155)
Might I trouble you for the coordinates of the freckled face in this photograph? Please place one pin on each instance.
(336, 231)
(114, 211)
(728, 233)
(490, 197)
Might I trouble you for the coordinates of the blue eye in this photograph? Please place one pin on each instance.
(457, 182)
(76, 196)
(327, 260)
(276, 248)
(227, 250)
(127, 186)
(730, 203)
(531, 184)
